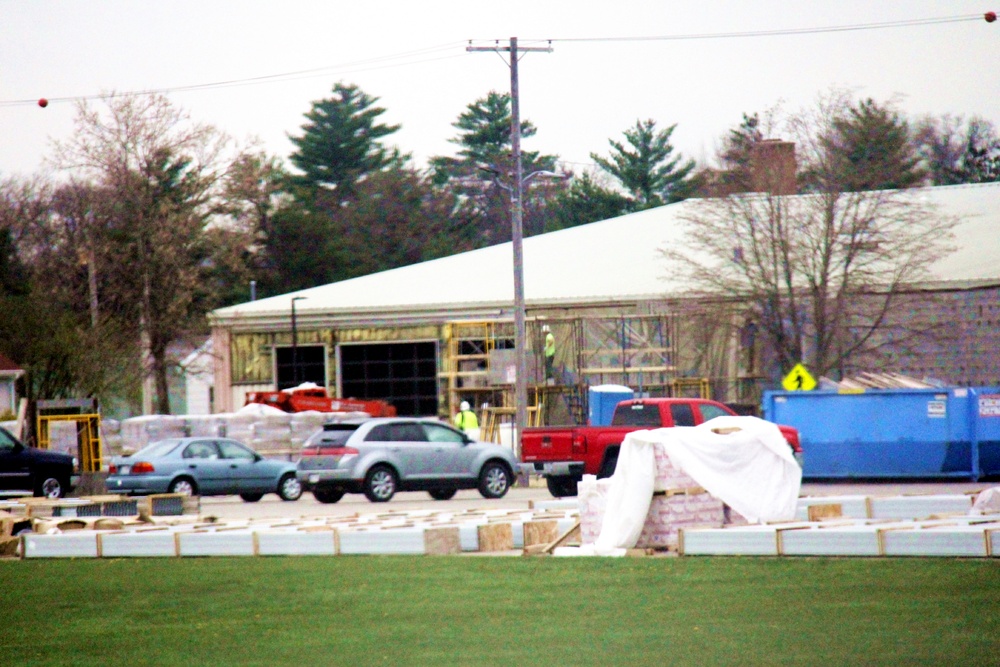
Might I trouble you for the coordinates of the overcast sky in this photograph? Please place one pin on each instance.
(412, 55)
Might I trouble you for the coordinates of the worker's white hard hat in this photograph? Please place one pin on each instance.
(545, 327)
(464, 406)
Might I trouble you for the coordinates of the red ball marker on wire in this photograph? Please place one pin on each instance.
(43, 103)
(990, 17)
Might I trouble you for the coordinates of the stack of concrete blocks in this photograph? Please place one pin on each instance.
(304, 424)
(271, 434)
(138, 432)
(678, 502)
(277, 434)
(239, 426)
(205, 426)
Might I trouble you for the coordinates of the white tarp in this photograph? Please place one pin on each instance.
(750, 469)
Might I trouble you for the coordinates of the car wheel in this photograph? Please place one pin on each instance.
(443, 494)
(251, 497)
(380, 484)
(51, 488)
(184, 486)
(561, 486)
(494, 480)
(326, 495)
(289, 488)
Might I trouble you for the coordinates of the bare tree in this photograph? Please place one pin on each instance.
(822, 273)
(162, 173)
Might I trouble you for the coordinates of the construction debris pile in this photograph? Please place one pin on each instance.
(863, 381)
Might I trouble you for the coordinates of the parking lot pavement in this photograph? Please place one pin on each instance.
(271, 507)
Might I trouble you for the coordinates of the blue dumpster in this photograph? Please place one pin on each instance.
(893, 433)
(602, 400)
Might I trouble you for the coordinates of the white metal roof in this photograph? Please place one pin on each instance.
(610, 261)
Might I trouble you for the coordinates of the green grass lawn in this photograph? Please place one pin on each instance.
(499, 611)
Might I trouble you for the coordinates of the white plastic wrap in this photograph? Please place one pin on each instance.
(750, 469)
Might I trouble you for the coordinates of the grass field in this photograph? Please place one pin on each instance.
(499, 611)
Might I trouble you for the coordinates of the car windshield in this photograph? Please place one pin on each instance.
(161, 448)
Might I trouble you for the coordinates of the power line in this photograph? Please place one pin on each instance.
(384, 62)
(375, 63)
(777, 32)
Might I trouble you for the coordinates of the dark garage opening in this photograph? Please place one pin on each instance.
(311, 366)
(404, 374)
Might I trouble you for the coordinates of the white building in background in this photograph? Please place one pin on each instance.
(429, 335)
(199, 380)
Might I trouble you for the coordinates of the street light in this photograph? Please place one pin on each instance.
(295, 344)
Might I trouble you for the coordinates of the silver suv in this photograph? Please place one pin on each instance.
(378, 457)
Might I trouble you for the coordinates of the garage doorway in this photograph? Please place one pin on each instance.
(404, 374)
(311, 366)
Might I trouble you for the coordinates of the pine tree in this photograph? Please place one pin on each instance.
(645, 168)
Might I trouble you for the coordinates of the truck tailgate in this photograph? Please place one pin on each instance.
(547, 445)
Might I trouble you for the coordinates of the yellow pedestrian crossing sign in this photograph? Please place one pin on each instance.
(799, 379)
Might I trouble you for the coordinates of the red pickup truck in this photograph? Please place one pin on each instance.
(563, 454)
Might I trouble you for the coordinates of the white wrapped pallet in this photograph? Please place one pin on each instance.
(138, 545)
(753, 540)
(77, 544)
(138, 432)
(967, 541)
(853, 507)
(389, 541)
(221, 543)
(304, 424)
(239, 426)
(208, 426)
(844, 540)
(920, 507)
(299, 543)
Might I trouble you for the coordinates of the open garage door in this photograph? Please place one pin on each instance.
(404, 374)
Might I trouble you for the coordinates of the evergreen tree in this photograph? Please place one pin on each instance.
(585, 200)
(737, 154)
(645, 168)
(483, 167)
(341, 143)
(870, 149)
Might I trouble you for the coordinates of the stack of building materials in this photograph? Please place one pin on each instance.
(165, 504)
(914, 506)
(678, 502)
(968, 536)
(418, 532)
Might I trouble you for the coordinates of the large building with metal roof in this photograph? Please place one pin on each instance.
(429, 335)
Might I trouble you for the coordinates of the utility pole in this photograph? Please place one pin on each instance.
(516, 237)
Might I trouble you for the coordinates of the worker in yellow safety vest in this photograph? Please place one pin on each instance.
(466, 418)
(550, 351)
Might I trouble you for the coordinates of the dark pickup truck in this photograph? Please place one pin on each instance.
(563, 454)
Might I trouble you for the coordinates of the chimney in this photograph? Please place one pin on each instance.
(772, 167)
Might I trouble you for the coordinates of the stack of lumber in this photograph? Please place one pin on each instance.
(414, 532)
(962, 536)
